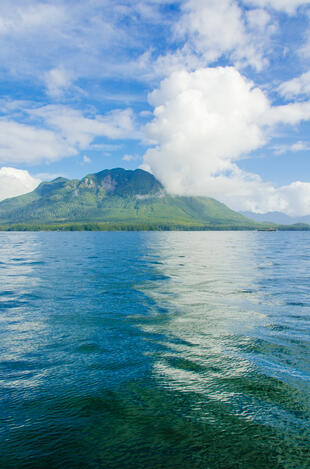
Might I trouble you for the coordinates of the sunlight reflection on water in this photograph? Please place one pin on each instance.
(185, 349)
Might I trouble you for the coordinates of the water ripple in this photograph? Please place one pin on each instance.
(160, 350)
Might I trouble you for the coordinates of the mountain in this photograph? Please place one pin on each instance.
(116, 199)
(276, 217)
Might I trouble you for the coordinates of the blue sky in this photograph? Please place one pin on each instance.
(212, 96)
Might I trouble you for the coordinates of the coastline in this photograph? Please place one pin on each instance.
(78, 226)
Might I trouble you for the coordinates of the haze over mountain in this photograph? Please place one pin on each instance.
(276, 217)
(119, 197)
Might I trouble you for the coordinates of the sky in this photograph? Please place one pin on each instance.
(211, 96)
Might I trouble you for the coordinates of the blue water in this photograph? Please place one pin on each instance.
(155, 350)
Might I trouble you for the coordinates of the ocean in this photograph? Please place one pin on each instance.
(155, 350)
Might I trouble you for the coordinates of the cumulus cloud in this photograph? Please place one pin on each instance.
(207, 120)
(56, 132)
(203, 121)
(248, 192)
(15, 182)
(297, 198)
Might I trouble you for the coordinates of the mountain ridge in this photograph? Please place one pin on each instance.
(115, 199)
(116, 196)
(276, 217)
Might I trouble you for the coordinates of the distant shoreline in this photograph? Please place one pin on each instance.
(67, 227)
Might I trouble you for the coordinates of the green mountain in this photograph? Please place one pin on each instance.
(115, 199)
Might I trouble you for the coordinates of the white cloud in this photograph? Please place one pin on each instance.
(290, 114)
(297, 197)
(145, 113)
(24, 18)
(295, 87)
(131, 157)
(244, 38)
(204, 122)
(15, 182)
(288, 6)
(298, 146)
(80, 130)
(204, 21)
(39, 38)
(60, 42)
(86, 159)
(247, 192)
(21, 143)
(258, 19)
(104, 147)
(57, 81)
(56, 132)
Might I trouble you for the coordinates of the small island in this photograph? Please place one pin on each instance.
(119, 200)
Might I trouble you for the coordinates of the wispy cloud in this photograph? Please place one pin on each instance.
(52, 132)
(93, 39)
(288, 6)
(131, 157)
(58, 44)
(86, 159)
(299, 86)
(292, 148)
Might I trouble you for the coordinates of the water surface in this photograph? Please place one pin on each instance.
(160, 350)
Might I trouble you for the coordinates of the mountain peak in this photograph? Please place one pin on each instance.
(46, 187)
(124, 182)
(117, 198)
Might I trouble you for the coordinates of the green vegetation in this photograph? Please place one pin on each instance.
(116, 199)
(118, 227)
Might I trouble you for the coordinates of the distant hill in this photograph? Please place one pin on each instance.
(115, 199)
(276, 217)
